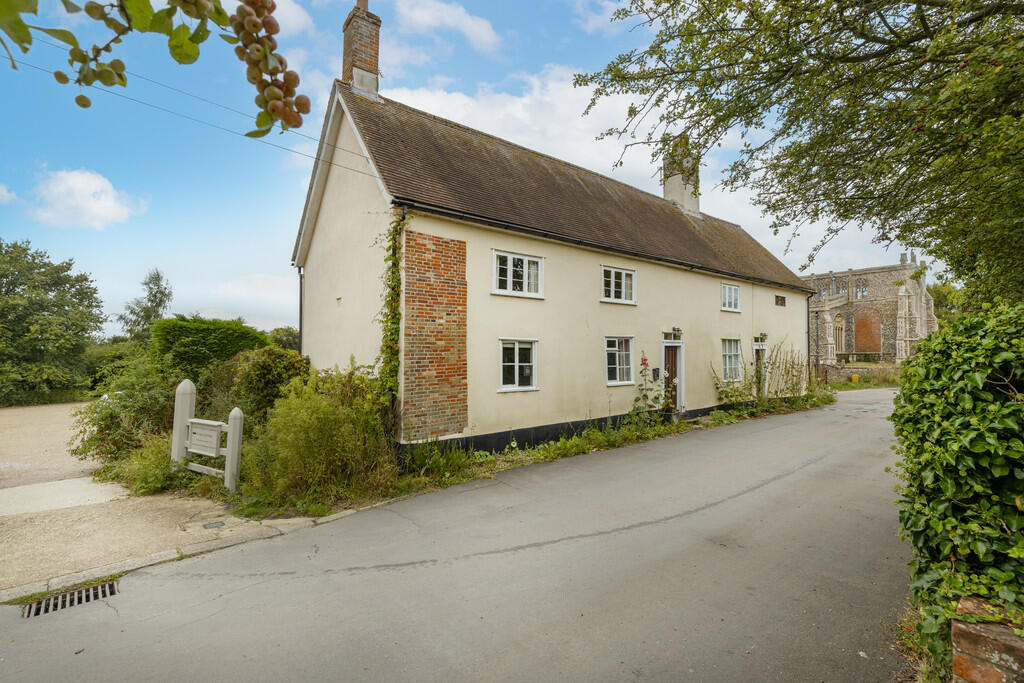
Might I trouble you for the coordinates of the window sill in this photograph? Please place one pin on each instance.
(517, 295)
(618, 301)
(515, 390)
(620, 384)
(732, 310)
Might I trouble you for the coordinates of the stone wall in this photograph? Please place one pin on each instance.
(434, 371)
(985, 652)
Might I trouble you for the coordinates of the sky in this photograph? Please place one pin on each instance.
(165, 180)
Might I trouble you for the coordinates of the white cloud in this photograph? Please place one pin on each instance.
(547, 116)
(264, 300)
(596, 15)
(6, 196)
(396, 56)
(82, 199)
(424, 16)
(294, 19)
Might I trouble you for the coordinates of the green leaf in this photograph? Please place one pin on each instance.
(229, 38)
(3, 44)
(182, 49)
(272, 62)
(259, 132)
(218, 15)
(17, 30)
(161, 21)
(60, 34)
(264, 120)
(140, 14)
(70, 7)
(201, 33)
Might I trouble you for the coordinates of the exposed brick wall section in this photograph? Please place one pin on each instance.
(362, 42)
(985, 652)
(435, 389)
(867, 332)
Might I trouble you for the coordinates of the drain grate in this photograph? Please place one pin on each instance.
(72, 598)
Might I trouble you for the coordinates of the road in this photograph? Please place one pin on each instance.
(760, 551)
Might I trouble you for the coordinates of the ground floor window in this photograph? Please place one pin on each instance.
(732, 360)
(619, 359)
(518, 364)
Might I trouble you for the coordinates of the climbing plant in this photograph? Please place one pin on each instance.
(391, 312)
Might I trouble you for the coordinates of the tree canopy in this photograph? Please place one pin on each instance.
(143, 311)
(903, 118)
(47, 316)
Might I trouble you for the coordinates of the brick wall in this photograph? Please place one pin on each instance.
(985, 652)
(434, 394)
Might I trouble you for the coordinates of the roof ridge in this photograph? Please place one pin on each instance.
(464, 127)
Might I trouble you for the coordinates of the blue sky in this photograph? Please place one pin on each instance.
(123, 187)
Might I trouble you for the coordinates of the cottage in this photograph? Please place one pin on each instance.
(532, 290)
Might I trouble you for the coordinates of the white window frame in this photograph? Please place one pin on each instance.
(624, 272)
(632, 365)
(726, 300)
(739, 361)
(510, 388)
(527, 259)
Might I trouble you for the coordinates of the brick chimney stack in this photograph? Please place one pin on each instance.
(362, 47)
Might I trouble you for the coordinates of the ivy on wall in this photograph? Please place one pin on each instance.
(391, 312)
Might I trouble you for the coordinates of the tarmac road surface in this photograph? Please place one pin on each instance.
(761, 551)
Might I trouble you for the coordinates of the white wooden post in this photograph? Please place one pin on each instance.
(233, 458)
(184, 410)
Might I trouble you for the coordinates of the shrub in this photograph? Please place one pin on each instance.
(147, 469)
(190, 344)
(215, 393)
(437, 460)
(326, 438)
(261, 376)
(139, 401)
(958, 420)
(101, 357)
(285, 337)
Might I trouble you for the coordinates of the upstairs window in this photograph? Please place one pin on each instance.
(732, 360)
(730, 297)
(861, 289)
(619, 359)
(618, 285)
(518, 275)
(518, 365)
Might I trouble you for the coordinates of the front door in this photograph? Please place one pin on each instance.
(672, 376)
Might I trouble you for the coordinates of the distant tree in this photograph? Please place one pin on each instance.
(949, 303)
(48, 315)
(143, 311)
(285, 337)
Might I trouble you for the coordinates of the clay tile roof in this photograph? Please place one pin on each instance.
(432, 162)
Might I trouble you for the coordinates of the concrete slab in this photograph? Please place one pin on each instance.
(34, 445)
(55, 495)
(39, 546)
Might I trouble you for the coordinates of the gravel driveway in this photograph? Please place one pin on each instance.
(34, 445)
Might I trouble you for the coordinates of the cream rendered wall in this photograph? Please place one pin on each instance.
(343, 288)
(570, 325)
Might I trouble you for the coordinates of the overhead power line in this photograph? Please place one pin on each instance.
(209, 124)
(225, 107)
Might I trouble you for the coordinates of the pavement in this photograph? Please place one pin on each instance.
(764, 550)
(58, 527)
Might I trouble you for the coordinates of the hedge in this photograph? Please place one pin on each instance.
(190, 344)
(958, 419)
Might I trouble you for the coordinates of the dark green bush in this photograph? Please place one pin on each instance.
(190, 344)
(215, 390)
(327, 437)
(261, 377)
(958, 419)
(102, 356)
(139, 401)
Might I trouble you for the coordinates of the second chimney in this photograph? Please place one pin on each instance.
(681, 177)
(361, 51)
